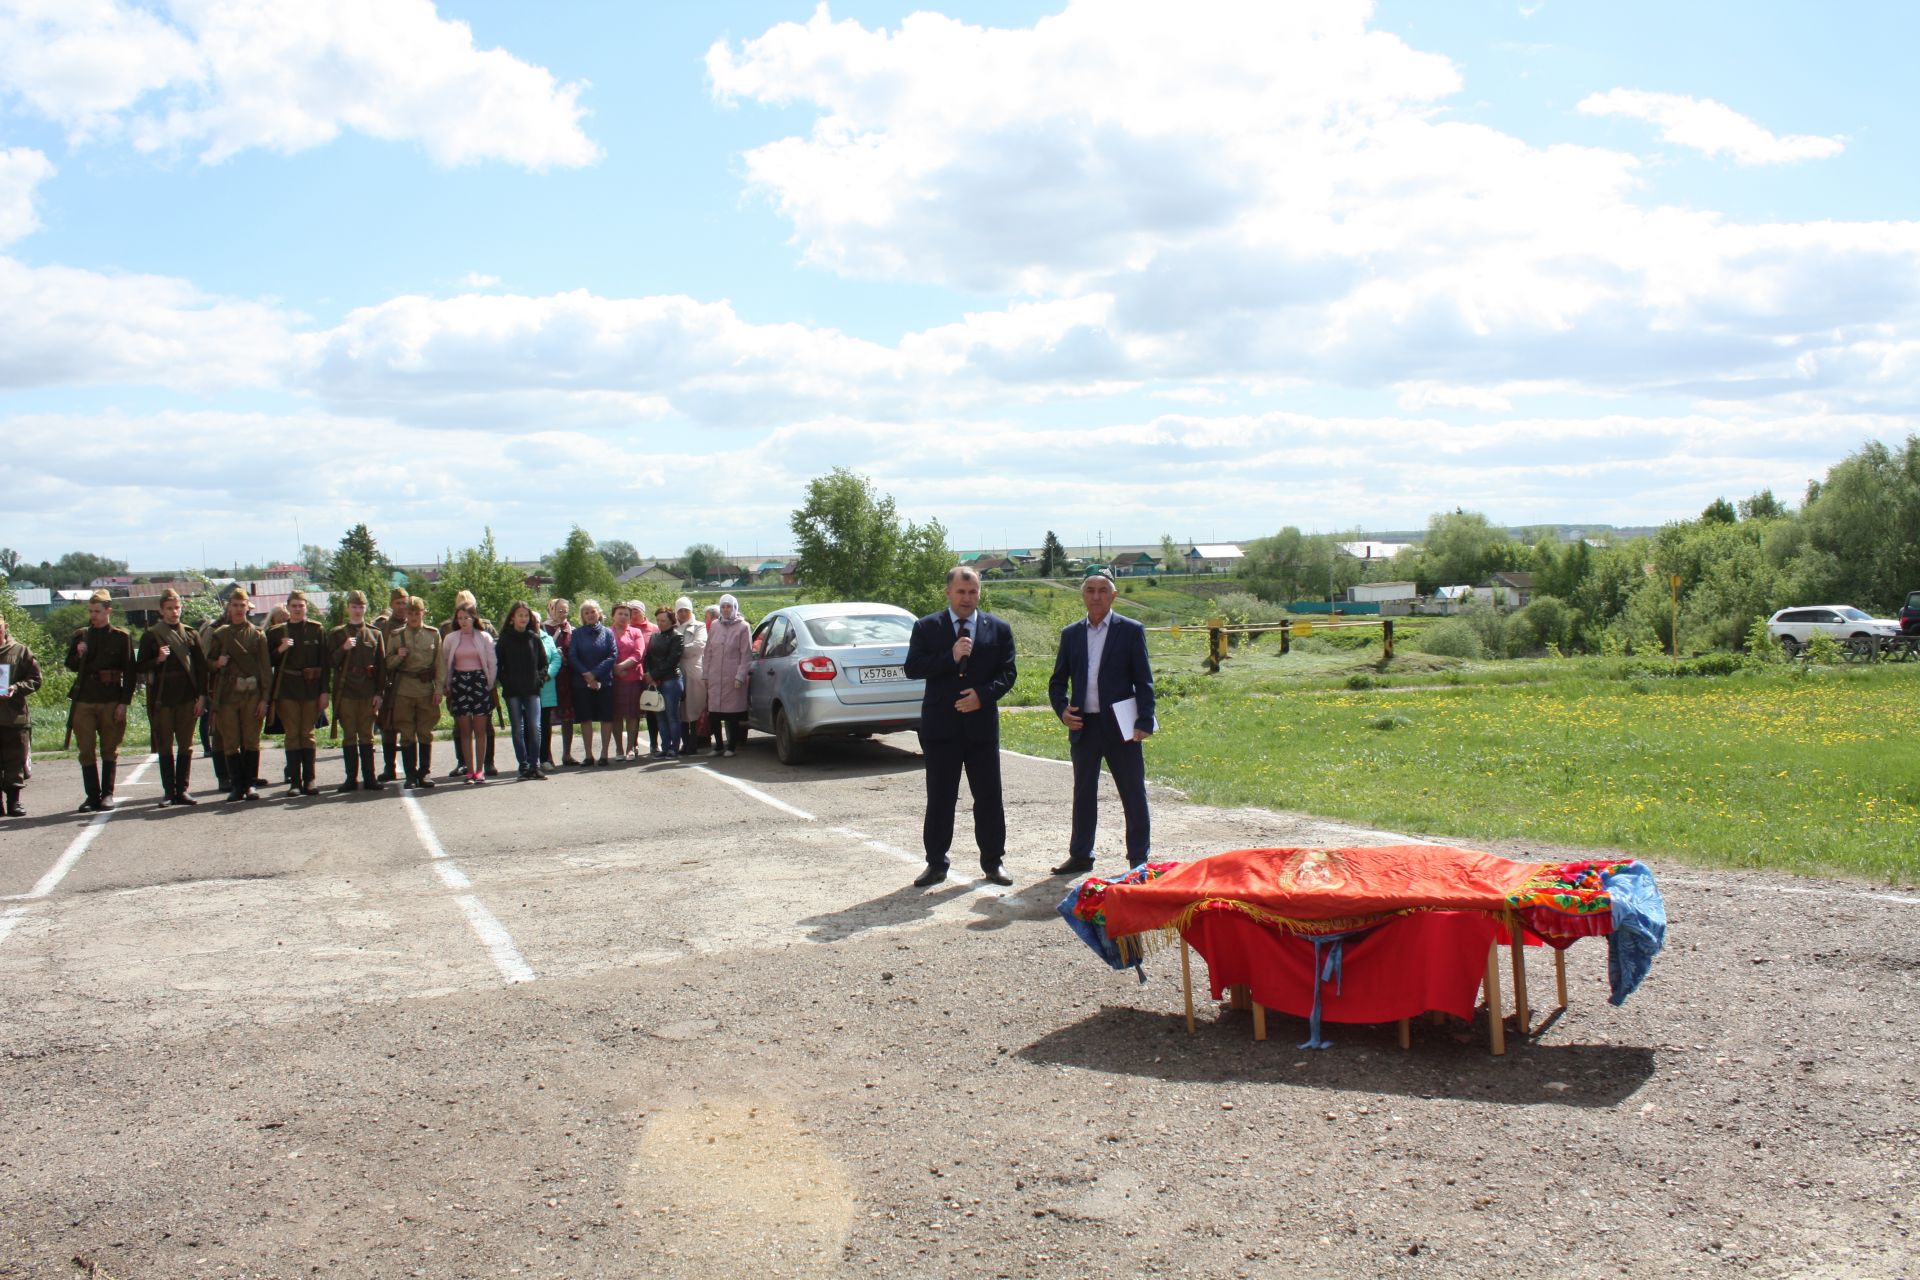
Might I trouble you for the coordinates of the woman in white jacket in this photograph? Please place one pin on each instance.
(729, 655)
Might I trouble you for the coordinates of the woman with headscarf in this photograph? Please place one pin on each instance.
(556, 700)
(590, 666)
(663, 677)
(729, 655)
(468, 669)
(693, 653)
(630, 648)
(521, 651)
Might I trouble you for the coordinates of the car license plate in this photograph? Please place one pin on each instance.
(878, 675)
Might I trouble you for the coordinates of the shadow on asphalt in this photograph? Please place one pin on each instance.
(1444, 1062)
(826, 757)
(905, 904)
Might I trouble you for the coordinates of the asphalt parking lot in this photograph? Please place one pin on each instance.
(693, 1020)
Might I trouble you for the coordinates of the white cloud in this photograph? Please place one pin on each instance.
(479, 280)
(65, 326)
(22, 169)
(221, 78)
(1710, 127)
(1275, 191)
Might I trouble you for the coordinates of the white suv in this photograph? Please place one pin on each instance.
(1859, 633)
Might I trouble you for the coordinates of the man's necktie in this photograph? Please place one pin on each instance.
(963, 636)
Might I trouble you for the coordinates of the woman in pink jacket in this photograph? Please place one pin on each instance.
(729, 654)
(467, 672)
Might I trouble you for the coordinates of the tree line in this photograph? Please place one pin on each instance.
(1855, 539)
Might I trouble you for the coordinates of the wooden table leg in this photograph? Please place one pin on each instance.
(1186, 981)
(1259, 1021)
(1560, 973)
(1496, 1021)
(1522, 1014)
(1237, 997)
(1406, 1033)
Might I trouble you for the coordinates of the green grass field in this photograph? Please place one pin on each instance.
(1805, 771)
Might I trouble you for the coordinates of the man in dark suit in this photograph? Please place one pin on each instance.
(966, 658)
(1102, 690)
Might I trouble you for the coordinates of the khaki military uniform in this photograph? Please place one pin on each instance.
(388, 625)
(240, 687)
(300, 677)
(358, 673)
(416, 683)
(102, 690)
(175, 685)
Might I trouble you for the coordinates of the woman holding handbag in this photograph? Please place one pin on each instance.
(664, 653)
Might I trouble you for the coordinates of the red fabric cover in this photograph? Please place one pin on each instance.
(1350, 886)
(1428, 960)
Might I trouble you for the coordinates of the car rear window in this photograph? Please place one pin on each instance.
(860, 628)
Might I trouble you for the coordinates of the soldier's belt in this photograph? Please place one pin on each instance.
(246, 684)
(108, 677)
(310, 673)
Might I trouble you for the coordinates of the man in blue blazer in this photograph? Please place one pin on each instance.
(1101, 679)
(966, 658)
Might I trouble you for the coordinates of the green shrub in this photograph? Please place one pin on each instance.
(1762, 649)
(1361, 680)
(1823, 649)
(1453, 638)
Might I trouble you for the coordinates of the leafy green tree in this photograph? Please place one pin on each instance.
(1762, 506)
(701, 559)
(77, 569)
(1169, 554)
(848, 538)
(1719, 511)
(1274, 567)
(495, 583)
(619, 555)
(1462, 547)
(579, 571)
(318, 563)
(854, 546)
(1862, 530)
(9, 560)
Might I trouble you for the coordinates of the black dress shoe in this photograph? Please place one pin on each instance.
(931, 876)
(1073, 867)
(994, 875)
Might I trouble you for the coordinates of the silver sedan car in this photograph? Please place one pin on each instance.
(822, 670)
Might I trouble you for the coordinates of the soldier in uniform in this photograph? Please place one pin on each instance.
(242, 674)
(175, 669)
(16, 718)
(390, 624)
(209, 728)
(414, 662)
(354, 655)
(299, 649)
(460, 766)
(101, 657)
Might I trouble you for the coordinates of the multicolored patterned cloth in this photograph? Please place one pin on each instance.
(1322, 892)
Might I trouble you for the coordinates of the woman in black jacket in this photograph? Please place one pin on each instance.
(663, 674)
(522, 664)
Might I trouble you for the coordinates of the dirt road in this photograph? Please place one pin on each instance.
(693, 1021)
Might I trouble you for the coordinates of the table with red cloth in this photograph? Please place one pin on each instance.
(1363, 934)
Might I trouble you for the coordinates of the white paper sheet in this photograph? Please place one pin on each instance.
(1127, 712)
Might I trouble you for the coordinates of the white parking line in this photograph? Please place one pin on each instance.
(486, 926)
(47, 883)
(755, 792)
(13, 916)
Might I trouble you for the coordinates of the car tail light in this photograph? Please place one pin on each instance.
(817, 668)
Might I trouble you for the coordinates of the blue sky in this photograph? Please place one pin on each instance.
(1115, 269)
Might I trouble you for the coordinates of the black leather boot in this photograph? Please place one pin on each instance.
(90, 779)
(352, 759)
(253, 771)
(166, 780)
(388, 750)
(13, 803)
(182, 774)
(219, 759)
(368, 781)
(107, 767)
(426, 764)
(309, 765)
(238, 771)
